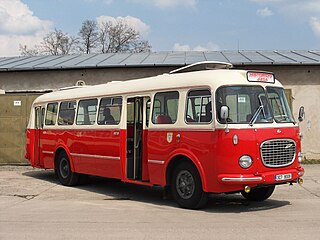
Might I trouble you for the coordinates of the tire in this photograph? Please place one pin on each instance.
(259, 194)
(186, 187)
(64, 172)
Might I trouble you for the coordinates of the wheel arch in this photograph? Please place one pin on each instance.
(178, 159)
(58, 151)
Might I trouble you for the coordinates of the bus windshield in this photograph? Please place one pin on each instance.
(279, 104)
(252, 104)
(247, 104)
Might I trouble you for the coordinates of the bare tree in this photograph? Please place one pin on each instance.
(141, 46)
(108, 37)
(58, 43)
(120, 37)
(54, 43)
(88, 35)
(25, 51)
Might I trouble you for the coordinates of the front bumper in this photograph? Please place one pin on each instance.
(260, 178)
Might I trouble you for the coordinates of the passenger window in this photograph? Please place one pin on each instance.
(199, 107)
(87, 112)
(66, 113)
(165, 108)
(110, 111)
(51, 115)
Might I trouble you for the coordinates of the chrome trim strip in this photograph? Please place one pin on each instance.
(48, 152)
(156, 161)
(95, 156)
(253, 179)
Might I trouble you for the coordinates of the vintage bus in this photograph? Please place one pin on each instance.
(200, 129)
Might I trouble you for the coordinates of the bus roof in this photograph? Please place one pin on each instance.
(210, 78)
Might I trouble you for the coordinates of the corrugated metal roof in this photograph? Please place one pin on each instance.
(159, 59)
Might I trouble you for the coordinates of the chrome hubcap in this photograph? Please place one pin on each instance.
(64, 168)
(185, 184)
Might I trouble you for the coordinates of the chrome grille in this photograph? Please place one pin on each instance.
(278, 152)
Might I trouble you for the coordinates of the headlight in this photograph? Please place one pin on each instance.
(245, 161)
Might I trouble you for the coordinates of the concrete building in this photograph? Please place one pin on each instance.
(24, 78)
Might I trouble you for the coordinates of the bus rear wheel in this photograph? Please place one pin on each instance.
(186, 187)
(64, 172)
(259, 194)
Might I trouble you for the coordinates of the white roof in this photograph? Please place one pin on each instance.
(210, 78)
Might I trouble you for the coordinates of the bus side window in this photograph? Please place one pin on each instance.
(67, 113)
(87, 111)
(110, 111)
(165, 109)
(199, 107)
(51, 115)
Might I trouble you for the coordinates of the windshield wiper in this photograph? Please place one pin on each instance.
(255, 115)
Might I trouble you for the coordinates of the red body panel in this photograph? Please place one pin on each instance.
(103, 153)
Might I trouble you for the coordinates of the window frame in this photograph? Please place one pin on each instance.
(153, 108)
(187, 103)
(77, 112)
(117, 105)
(241, 85)
(46, 113)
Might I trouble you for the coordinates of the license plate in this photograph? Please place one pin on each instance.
(282, 177)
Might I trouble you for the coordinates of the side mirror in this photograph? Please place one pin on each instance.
(224, 113)
(301, 114)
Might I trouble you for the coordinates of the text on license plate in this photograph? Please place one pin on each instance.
(282, 177)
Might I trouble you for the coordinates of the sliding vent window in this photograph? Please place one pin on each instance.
(51, 115)
(110, 111)
(199, 107)
(165, 108)
(87, 112)
(67, 113)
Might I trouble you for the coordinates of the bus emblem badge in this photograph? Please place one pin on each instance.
(169, 137)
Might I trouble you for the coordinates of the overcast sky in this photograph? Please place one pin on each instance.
(171, 25)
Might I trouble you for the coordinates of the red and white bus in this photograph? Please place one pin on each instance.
(201, 129)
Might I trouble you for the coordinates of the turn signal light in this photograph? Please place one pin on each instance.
(300, 181)
(247, 189)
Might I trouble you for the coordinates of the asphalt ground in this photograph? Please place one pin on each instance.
(33, 205)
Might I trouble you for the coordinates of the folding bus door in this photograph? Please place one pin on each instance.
(137, 131)
(39, 115)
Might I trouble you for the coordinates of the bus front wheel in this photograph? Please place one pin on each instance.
(186, 187)
(64, 172)
(258, 194)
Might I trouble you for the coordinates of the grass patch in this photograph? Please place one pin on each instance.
(311, 161)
